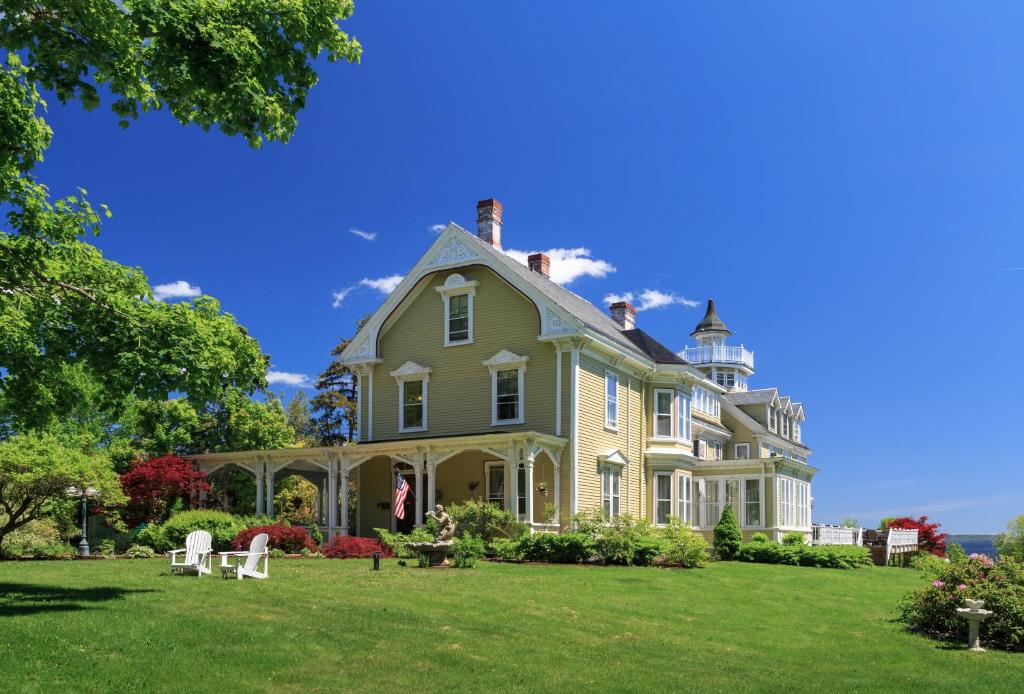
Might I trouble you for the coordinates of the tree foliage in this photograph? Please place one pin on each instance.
(153, 485)
(727, 534)
(336, 402)
(36, 469)
(1011, 542)
(300, 419)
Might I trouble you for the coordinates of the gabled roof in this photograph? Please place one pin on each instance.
(711, 322)
(761, 396)
(652, 348)
(755, 426)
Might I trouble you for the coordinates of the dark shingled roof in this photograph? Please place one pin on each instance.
(711, 322)
(652, 348)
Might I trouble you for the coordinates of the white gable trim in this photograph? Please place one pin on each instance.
(455, 247)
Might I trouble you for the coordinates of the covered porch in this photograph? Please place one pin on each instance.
(520, 471)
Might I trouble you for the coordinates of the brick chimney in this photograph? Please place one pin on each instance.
(624, 314)
(539, 263)
(488, 221)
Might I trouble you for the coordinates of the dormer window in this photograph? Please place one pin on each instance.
(785, 426)
(772, 418)
(457, 295)
(508, 372)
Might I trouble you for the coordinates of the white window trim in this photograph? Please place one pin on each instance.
(411, 371)
(607, 471)
(457, 285)
(488, 466)
(686, 501)
(686, 433)
(612, 425)
(742, 479)
(771, 418)
(655, 499)
(507, 361)
(671, 414)
(736, 451)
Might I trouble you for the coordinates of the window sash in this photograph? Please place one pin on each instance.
(685, 500)
(683, 410)
(752, 502)
(611, 485)
(496, 485)
(413, 398)
(663, 413)
(742, 451)
(662, 498)
(507, 395)
(458, 318)
(611, 400)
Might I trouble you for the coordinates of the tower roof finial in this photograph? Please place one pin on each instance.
(711, 323)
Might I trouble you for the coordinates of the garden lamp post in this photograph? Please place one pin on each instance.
(85, 493)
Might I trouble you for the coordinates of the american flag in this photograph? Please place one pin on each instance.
(401, 491)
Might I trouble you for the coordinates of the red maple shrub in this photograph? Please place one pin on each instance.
(928, 537)
(153, 485)
(290, 539)
(346, 546)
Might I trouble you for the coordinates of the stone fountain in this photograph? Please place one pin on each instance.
(437, 551)
(974, 613)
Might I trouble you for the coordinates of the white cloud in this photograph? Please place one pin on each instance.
(368, 235)
(568, 264)
(384, 285)
(288, 379)
(651, 298)
(176, 290)
(339, 296)
(437, 228)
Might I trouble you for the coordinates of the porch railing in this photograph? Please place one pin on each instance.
(836, 535)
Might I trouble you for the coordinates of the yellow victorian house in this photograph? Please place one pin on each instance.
(479, 377)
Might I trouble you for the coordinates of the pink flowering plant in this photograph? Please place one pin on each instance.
(932, 610)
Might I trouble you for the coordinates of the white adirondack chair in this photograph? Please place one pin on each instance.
(195, 558)
(243, 564)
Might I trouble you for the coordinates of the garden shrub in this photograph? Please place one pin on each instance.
(794, 537)
(277, 553)
(626, 541)
(140, 552)
(152, 535)
(928, 564)
(1011, 542)
(727, 534)
(291, 539)
(683, 547)
(822, 556)
(567, 548)
(486, 520)
(395, 542)
(37, 539)
(508, 550)
(154, 485)
(316, 535)
(760, 537)
(108, 548)
(466, 550)
(349, 547)
(223, 526)
(932, 610)
(956, 553)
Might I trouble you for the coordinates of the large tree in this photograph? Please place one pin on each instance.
(245, 67)
(336, 402)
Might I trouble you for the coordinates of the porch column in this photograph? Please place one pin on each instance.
(528, 464)
(270, 488)
(558, 493)
(431, 482)
(513, 480)
(418, 469)
(332, 497)
(344, 497)
(261, 496)
(321, 496)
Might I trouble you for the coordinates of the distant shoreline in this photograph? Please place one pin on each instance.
(974, 544)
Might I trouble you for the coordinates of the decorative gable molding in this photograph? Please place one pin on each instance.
(411, 371)
(613, 457)
(553, 323)
(452, 251)
(505, 360)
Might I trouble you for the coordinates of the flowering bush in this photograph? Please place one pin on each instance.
(346, 546)
(928, 537)
(153, 485)
(291, 539)
(932, 610)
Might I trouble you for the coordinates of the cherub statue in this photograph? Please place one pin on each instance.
(445, 524)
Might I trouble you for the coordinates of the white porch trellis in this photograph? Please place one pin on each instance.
(340, 463)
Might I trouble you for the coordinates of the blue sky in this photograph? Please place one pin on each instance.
(843, 179)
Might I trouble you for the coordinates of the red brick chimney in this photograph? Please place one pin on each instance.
(488, 221)
(624, 314)
(539, 263)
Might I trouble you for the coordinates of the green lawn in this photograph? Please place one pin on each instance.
(328, 625)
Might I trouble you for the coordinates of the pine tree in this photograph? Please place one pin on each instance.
(336, 403)
(300, 419)
(727, 534)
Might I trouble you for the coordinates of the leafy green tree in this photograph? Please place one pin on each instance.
(36, 469)
(727, 534)
(1011, 542)
(239, 423)
(850, 522)
(300, 419)
(336, 402)
(245, 67)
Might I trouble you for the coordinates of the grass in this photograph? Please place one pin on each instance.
(328, 625)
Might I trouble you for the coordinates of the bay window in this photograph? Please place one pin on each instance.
(662, 497)
(685, 512)
(683, 416)
(663, 414)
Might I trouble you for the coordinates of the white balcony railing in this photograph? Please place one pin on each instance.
(721, 354)
(835, 535)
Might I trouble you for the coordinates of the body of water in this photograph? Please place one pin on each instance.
(976, 545)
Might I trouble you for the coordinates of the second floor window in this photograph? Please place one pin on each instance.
(458, 318)
(508, 394)
(663, 414)
(683, 414)
(611, 400)
(508, 372)
(413, 400)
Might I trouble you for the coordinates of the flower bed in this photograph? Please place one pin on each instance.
(349, 547)
(932, 610)
(290, 539)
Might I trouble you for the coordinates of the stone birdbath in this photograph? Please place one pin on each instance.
(437, 551)
(974, 613)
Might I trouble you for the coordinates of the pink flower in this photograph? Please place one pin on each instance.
(962, 586)
(937, 584)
